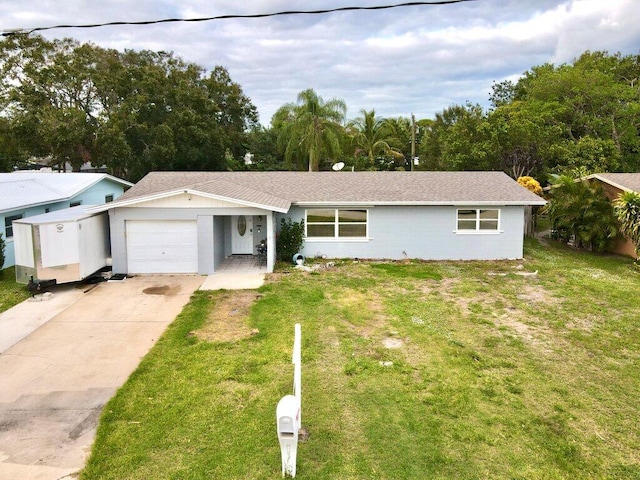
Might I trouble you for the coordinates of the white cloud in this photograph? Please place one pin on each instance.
(418, 59)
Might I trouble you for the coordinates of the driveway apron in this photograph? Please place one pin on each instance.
(54, 382)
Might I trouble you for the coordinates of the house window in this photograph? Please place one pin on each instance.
(336, 223)
(479, 220)
(8, 225)
(75, 204)
(108, 198)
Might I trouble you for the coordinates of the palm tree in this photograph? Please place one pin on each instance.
(373, 136)
(627, 209)
(313, 128)
(581, 212)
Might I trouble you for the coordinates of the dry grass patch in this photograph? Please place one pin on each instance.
(532, 293)
(227, 321)
(363, 311)
(538, 336)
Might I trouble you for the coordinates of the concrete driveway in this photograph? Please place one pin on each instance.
(55, 381)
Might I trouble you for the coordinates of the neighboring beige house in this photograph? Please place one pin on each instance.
(614, 184)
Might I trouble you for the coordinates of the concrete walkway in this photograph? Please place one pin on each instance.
(233, 281)
(26, 317)
(57, 378)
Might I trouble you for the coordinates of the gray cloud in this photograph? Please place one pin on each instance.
(410, 60)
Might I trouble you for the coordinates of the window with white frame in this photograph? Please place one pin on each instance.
(336, 223)
(478, 220)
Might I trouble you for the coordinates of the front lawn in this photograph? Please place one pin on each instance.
(439, 370)
(11, 293)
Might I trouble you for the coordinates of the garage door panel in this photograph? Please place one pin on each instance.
(167, 246)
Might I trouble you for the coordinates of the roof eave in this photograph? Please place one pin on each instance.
(608, 181)
(172, 193)
(540, 202)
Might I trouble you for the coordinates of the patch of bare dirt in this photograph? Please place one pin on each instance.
(227, 321)
(536, 294)
(391, 342)
(539, 336)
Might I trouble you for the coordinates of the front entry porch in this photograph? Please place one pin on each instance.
(243, 264)
(237, 272)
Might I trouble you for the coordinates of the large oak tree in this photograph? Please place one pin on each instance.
(133, 111)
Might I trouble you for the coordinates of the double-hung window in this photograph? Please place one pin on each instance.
(478, 220)
(344, 223)
(8, 225)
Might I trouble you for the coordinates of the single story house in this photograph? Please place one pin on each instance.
(613, 185)
(28, 193)
(189, 222)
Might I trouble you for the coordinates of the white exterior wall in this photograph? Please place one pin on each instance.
(424, 232)
(94, 244)
(24, 254)
(206, 244)
(219, 246)
(211, 230)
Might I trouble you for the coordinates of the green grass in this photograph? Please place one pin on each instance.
(11, 293)
(500, 375)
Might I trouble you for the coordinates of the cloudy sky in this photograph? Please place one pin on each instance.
(407, 60)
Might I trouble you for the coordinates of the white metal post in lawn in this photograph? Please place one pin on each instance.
(289, 412)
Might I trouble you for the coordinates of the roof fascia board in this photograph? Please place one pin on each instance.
(430, 203)
(31, 205)
(173, 193)
(607, 181)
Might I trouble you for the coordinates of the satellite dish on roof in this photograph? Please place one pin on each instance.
(336, 167)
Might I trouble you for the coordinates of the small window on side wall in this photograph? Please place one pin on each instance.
(75, 204)
(8, 225)
(478, 220)
(108, 198)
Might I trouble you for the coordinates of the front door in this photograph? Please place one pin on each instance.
(242, 235)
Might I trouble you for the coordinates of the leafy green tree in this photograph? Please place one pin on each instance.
(459, 138)
(627, 210)
(49, 97)
(133, 111)
(313, 128)
(372, 137)
(595, 104)
(262, 144)
(585, 155)
(580, 212)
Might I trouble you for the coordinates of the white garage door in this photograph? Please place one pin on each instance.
(162, 246)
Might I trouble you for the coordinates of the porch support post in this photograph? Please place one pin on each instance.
(271, 242)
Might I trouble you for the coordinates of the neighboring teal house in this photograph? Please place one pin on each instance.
(24, 194)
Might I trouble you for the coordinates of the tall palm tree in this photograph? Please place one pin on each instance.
(373, 136)
(314, 128)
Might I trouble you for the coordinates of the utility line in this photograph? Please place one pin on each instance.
(27, 31)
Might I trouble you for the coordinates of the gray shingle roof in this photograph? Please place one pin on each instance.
(624, 181)
(280, 189)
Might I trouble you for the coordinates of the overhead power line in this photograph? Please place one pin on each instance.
(28, 31)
